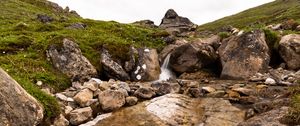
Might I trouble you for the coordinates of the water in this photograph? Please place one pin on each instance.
(166, 73)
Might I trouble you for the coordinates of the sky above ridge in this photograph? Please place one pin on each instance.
(128, 11)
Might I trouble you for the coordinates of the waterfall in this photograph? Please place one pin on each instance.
(166, 73)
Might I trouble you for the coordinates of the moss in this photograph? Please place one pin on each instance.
(272, 39)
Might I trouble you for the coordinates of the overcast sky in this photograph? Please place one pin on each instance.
(128, 11)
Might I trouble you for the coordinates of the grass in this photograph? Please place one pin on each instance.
(274, 12)
(293, 117)
(24, 41)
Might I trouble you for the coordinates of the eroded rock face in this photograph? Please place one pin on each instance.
(177, 110)
(111, 68)
(243, 56)
(176, 24)
(289, 49)
(17, 107)
(271, 118)
(147, 67)
(111, 100)
(68, 59)
(192, 57)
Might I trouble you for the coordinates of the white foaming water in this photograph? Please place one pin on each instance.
(166, 73)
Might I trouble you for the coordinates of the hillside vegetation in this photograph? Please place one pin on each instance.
(24, 41)
(270, 13)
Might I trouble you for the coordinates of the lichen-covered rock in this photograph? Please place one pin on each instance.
(245, 55)
(289, 50)
(67, 58)
(17, 107)
(79, 116)
(147, 67)
(83, 97)
(111, 68)
(111, 100)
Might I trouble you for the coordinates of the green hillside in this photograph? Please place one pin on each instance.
(24, 41)
(274, 12)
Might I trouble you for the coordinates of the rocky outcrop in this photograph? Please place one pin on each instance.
(243, 56)
(147, 67)
(175, 24)
(271, 118)
(146, 23)
(191, 57)
(67, 58)
(17, 107)
(175, 110)
(289, 49)
(111, 68)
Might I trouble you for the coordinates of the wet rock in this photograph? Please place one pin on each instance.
(144, 92)
(68, 58)
(271, 118)
(111, 68)
(243, 56)
(265, 106)
(80, 116)
(129, 65)
(244, 91)
(201, 74)
(216, 94)
(44, 18)
(147, 67)
(61, 121)
(175, 110)
(195, 92)
(83, 97)
(195, 56)
(162, 88)
(131, 100)
(111, 100)
(17, 107)
(175, 24)
(289, 50)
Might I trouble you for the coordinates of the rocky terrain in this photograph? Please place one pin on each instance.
(72, 71)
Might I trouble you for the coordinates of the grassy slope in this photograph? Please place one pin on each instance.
(25, 46)
(274, 12)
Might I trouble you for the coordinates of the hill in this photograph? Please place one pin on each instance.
(274, 12)
(24, 40)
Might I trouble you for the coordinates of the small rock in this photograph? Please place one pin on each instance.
(131, 100)
(244, 91)
(68, 109)
(104, 86)
(70, 99)
(261, 86)
(208, 89)
(162, 88)
(61, 121)
(91, 101)
(81, 115)
(250, 113)
(233, 94)
(216, 94)
(144, 92)
(39, 83)
(83, 97)
(195, 92)
(111, 100)
(61, 97)
(90, 85)
(270, 81)
(76, 85)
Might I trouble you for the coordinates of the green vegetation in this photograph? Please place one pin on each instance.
(274, 12)
(293, 117)
(24, 40)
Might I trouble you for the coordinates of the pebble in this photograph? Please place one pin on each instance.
(270, 81)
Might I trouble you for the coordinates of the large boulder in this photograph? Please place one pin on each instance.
(111, 68)
(243, 56)
(111, 100)
(176, 110)
(176, 24)
(271, 118)
(191, 57)
(67, 57)
(147, 67)
(17, 107)
(289, 50)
